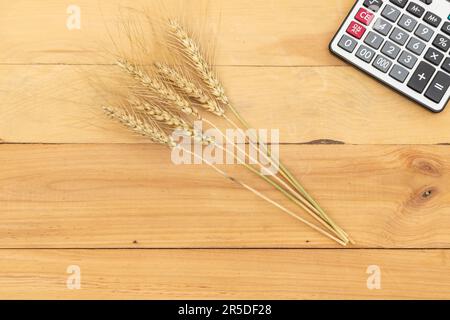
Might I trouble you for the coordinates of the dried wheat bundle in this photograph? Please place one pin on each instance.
(169, 95)
(189, 48)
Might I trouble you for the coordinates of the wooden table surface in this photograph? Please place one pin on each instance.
(76, 189)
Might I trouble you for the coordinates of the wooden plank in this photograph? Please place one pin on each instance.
(224, 274)
(249, 32)
(56, 104)
(132, 196)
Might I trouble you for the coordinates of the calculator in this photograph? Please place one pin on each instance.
(402, 43)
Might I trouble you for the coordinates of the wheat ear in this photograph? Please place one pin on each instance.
(194, 54)
(189, 88)
(160, 115)
(157, 86)
(139, 126)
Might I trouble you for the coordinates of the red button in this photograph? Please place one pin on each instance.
(356, 30)
(364, 16)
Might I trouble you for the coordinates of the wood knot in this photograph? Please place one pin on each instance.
(427, 194)
(423, 196)
(429, 167)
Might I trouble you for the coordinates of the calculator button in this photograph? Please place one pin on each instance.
(432, 19)
(382, 63)
(407, 23)
(391, 50)
(373, 5)
(391, 13)
(415, 10)
(446, 65)
(365, 53)
(416, 46)
(438, 87)
(400, 3)
(407, 59)
(424, 32)
(441, 42)
(434, 56)
(399, 36)
(427, 1)
(347, 43)
(374, 40)
(399, 73)
(364, 16)
(421, 77)
(356, 30)
(446, 28)
(382, 26)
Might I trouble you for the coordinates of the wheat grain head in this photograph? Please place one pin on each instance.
(165, 93)
(196, 58)
(189, 88)
(142, 127)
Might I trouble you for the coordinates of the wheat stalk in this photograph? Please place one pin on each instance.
(191, 50)
(190, 89)
(173, 90)
(156, 134)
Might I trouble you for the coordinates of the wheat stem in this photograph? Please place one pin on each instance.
(274, 203)
(290, 193)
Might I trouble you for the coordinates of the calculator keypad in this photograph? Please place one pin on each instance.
(407, 59)
(399, 73)
(382, 26)
(348, 44)
(424, 32)
(364, 16)
(415, 9)
(391, 13)
(374, 40)
(446, 65)
(434, 56)
(432, 19)
(391, 50)
(400, 3)
(446, 28)
(421, 77)
(365, 54)
(407, 41)
(441, 42)
(438, 87)
(356, 30)
(407, 23)
(399, 36)
(373, 5)
(416, 46)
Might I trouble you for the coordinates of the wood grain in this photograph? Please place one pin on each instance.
(57, 104)
(249, 32)
(79, 190)
(131, 196)
(224, 274)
